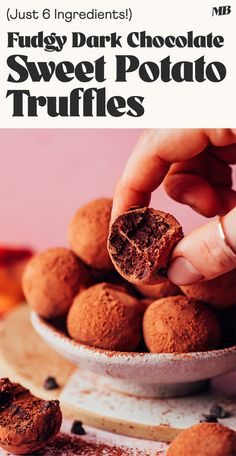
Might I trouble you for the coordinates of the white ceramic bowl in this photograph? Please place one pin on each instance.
(144, 374)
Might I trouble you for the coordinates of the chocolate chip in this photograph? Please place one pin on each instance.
(218, 411)
(208, 419)
(77, 428)
(50, 383)
(22, 414)
(46, 405)
(13, 409)
(5, 399)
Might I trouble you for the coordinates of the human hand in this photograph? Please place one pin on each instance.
(195, 167)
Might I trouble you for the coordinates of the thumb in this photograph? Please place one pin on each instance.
(203, 254)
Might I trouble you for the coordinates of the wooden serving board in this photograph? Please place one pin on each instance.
(25, 358)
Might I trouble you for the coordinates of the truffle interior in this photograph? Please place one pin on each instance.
(19, 404)
(135, 240)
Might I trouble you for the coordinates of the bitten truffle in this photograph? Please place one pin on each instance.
(52, 279)
(206, 439)
(88, 233)
(104, 316)
(218, 293)
(178, 324)
(140, 244)
(26, 422)
(159, 290)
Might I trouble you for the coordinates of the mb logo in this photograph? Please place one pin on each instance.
(221, 10)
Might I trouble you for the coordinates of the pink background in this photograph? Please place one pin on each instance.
(45, 175)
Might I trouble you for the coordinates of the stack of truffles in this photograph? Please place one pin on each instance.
(112, 290)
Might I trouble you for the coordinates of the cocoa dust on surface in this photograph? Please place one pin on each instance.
(66, 445)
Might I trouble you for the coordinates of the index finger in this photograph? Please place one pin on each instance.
(152, 157)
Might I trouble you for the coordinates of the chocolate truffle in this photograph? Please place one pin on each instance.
(178, 324)
(140, 244)
(26, 422)
(52, 279)
(218, 293)
(104, 316)
(205, 439)
(88, 233)
(159, 290)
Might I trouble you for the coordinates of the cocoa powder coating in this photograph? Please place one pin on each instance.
(26, 422)
(104, 316)
(206, 439)
(88, 233)
(219, 293)
(52, 279)
(140, 244)
(178, 324)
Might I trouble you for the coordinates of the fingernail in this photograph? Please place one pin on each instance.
(182, 272)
